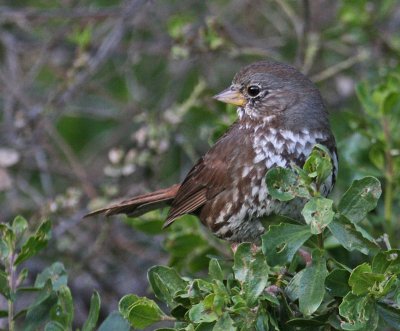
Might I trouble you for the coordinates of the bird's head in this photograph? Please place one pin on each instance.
(267, 90)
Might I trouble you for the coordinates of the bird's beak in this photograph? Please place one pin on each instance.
(231, 96)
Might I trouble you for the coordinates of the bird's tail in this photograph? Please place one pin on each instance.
(140, 204)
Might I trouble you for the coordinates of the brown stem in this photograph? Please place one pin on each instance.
(320, 240)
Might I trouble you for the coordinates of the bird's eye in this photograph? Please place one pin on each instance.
(253, 90)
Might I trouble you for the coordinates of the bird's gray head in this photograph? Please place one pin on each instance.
(267, 90)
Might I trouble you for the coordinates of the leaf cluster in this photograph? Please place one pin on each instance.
(52, 306)
(293, 282)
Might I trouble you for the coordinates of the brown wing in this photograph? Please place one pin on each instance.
(210, 176)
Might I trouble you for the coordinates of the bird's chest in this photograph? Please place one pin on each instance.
(273, 148)
(248, 198)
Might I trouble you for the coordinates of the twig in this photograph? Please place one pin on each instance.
(297, 25)
(72, 159)
(13, 15)
(338, 67)
(109, 44)
(45, 178)
(303, 47)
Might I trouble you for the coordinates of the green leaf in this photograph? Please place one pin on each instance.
(4, 288)
(200, 313)
(19, 224)
(147, 224)
(221, 296)
(306, 323)
(177, 23)
(391, 315)
(360, 198)
(7, 242)
(359, 312)
(293, 288)
(360, 279)
(318, 214)
(55, 273)
(312, 284)
(115, 322)
(140, 312)
(364, 95)
(337, 283)
(349, 237)
(319, 164)
(215, 270)
(281, 183)
(251, 270)
(63, 311)
(39, 311)
(94, 311)
(281, 242)
(165, 282)
(224, 323)
(364, 281)
(4, 248)
(388, 261)
(35, 243)
(54, 326)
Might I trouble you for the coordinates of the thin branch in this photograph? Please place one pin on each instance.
(303, 47)
(71, 158)
(109, 44)
(32, 14)
(338, 67)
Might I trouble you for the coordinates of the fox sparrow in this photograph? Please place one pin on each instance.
(281, 116)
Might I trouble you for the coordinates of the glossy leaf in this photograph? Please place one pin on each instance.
(251, 270)
(337, 282)
(312, 284)
(114, 322)
(140, 312)
(361, 279)
(349, 237)
(63, 311)
(4, 248)
(293, 288)
(94, 312)
(54, 326)
(214, 270)
(199, 313)
(319, 164)
(224, 323)
(359, 313)
(360, 198)
(39, 311)
(35, 243)
(165, 282)
(282, 183)
(391, 315)
(19, 224)
(56, 273)
(4, 287)
(318, 214)
(388, 261)
(281, 242)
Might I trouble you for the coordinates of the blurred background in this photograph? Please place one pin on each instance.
(103, 99)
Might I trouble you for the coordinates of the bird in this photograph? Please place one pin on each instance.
(281, 116)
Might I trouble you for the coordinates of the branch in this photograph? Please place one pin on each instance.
(338, 67)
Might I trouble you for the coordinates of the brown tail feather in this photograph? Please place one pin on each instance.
(141, 204)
